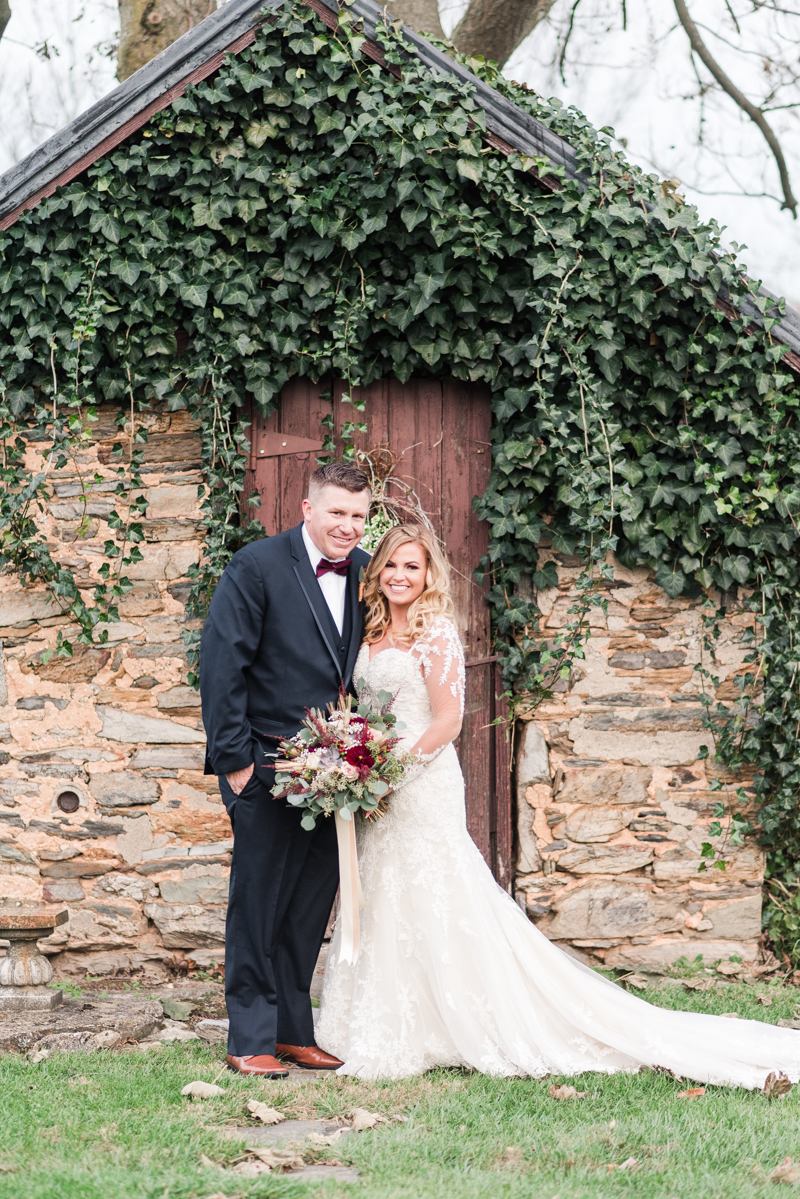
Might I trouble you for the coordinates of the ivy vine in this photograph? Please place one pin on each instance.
(308, 211)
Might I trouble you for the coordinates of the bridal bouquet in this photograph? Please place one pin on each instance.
(343, 762)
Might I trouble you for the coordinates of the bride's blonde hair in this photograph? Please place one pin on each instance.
(435, 600)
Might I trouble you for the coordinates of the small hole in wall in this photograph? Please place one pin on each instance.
(68, 801)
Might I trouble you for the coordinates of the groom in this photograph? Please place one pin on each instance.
(282, 635)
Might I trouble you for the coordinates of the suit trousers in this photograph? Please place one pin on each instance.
(283, 884)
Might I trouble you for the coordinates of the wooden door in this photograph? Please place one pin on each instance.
(442, 431)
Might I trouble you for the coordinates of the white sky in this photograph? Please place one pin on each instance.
(640, 81)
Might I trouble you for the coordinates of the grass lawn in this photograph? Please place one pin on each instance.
(114, 1126)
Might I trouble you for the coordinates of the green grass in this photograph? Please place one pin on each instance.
(114, 1126)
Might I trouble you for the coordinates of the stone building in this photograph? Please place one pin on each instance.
(104, 807)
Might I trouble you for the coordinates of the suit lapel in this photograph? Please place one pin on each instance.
(311, 590)
(356, 616)
(356, 621)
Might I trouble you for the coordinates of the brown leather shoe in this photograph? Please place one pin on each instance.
(309, 1057)
(258, 1063)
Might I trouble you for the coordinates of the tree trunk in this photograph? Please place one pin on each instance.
(5, 15)
(494, 28)
(148, 26)
(422, 15)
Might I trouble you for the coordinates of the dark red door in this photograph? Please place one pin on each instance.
(442, 431)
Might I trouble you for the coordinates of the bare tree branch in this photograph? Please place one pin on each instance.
(5, 15)
(753, 111)
(494, 28)
(422, 15)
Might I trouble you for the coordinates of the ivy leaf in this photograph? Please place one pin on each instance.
(262, 390)
(127, 271)
(428, 283)
(19, 398)
(326, 119)
(249, 206)
(738, 568)
(470, 168)
(669, 272)
(161, 343)
(546, 577)
(413, 216)
(257, 133)
(8, 276)
(351, 239)
(193, 293)
(671, 579)
(105, 223)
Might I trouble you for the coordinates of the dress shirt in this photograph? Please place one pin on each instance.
(332, 586)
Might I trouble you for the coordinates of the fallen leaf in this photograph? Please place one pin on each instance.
(264, 1113)
(38, 1055)
(776, 1084)
(176, 1009)
(794, 1023)
(692, 1093)
(630, 1163)
(279, 1159)
(729, 1015)
(567, 1093)
(764, 1000)
(80, 1081)
(317, 1138)
(401, 1119)
(787, 1171)
(107, 1038)
(202, 1090)
(207, 1163)
(730, 968)
(637, 982)
(361, 1119)
(251, 1168)
(699, 984)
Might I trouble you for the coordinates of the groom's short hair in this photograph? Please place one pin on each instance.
(338, 474)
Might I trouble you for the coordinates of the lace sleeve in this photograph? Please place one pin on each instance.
(441, 660)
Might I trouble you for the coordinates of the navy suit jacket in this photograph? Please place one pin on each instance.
(270, 649)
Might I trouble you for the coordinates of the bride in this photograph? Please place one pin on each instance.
(451, 972)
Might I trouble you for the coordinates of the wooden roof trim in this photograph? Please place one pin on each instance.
(124, 131)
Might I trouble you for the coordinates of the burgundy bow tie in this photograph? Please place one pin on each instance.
(338, 568)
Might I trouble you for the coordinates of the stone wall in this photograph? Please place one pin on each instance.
(613, 803)
(114, 732)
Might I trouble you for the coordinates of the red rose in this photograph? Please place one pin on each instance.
(360, 757)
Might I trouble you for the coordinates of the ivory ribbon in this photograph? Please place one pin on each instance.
(351, 897)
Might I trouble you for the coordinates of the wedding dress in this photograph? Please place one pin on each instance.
(452, 973)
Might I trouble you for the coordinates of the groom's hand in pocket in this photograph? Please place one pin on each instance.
(239, 779)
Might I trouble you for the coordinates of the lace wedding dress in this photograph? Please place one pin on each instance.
(452, 973)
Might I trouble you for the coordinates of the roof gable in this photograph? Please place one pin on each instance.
(201, 51)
